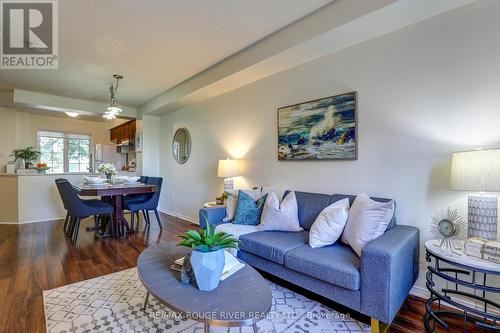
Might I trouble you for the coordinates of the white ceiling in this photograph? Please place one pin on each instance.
(154, 44)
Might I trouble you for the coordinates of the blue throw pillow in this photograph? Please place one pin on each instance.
(248, 211)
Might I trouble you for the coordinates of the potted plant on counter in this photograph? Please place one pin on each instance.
(207, 259)
(108, 169)
(27, 155)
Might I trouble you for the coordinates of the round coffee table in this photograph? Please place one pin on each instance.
(242, 299)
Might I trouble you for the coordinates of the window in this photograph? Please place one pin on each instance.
(64, 152)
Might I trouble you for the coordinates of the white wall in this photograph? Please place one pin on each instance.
(424, 92)
(150, 163)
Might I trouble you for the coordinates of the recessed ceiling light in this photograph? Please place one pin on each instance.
(72, 114)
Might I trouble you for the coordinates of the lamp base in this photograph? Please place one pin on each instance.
(482, 217)
(228, 184)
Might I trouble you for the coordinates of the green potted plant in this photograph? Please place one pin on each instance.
(207, 258)
(27, 155)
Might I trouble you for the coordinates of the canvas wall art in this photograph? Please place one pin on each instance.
(323, 129)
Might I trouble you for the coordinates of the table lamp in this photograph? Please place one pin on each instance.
(227, 169)
(478, 171)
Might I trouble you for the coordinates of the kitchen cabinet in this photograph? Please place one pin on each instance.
(123, 132)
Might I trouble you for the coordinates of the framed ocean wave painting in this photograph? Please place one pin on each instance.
(322, 129)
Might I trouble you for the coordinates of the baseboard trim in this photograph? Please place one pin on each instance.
(35, 221)
(420, 292)
(165, 211)
(179, 216)
(423, 293)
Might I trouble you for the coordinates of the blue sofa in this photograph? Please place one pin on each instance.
(375, 284)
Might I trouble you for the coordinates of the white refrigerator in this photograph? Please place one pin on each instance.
(106, 153)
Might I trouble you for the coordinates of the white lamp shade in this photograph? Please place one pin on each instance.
(476, 170)
(228, 168)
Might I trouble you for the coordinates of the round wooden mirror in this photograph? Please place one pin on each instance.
(181, 145)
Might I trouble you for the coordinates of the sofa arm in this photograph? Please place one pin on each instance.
(212, 215)
(389, 268)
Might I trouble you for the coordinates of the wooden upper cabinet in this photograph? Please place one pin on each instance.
(123, 132)
(112, 135)
(124, 128)
(131, 130)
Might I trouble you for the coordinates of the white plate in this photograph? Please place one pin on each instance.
(134, 183)
(94, 180)
(127, 179)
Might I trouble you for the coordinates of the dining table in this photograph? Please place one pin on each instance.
(114, 192)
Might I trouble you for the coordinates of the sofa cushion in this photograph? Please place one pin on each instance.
(248, 210)
(310, 205)
(336, 264)
(280, 216)
(329, 224)
(232, 200)
(236, 230)
(273, 245)
(368, 220)
(337, 197)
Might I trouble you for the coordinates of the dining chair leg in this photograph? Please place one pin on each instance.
(69, 226)
(109, 227)
(146, 216)
(125, 226)
(96, 226)
(138, 220)
(77, 228)
(158, 218)
(132, 218)
(72, 227)
(66, 222)
(97, 221)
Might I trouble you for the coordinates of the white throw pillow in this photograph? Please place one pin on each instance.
(232, 200)
(329, 224)
(368, 219)
(282, 216)
(279, 192)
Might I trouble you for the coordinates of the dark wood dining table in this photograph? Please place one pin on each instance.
(115, 192)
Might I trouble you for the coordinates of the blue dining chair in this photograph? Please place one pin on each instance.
(138, 197)
(66, 220)
(149, 203)
(78, 209)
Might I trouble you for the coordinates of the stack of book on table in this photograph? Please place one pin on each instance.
(483, 249)
(231, 265)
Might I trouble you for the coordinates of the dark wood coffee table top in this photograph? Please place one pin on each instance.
(242, 299)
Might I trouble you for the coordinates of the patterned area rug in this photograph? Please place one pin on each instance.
(113, 303)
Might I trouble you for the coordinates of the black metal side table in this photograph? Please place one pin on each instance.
(452, 276)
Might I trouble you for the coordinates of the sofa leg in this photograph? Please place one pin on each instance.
(378, 326)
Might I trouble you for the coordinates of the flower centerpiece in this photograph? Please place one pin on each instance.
(207, 258)
(108, 169)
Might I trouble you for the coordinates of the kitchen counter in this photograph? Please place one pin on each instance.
(34, 197)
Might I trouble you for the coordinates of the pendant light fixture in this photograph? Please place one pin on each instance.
(72, 114)
(113, 109)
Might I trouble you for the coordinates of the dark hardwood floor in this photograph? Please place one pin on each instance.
(36, 257)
